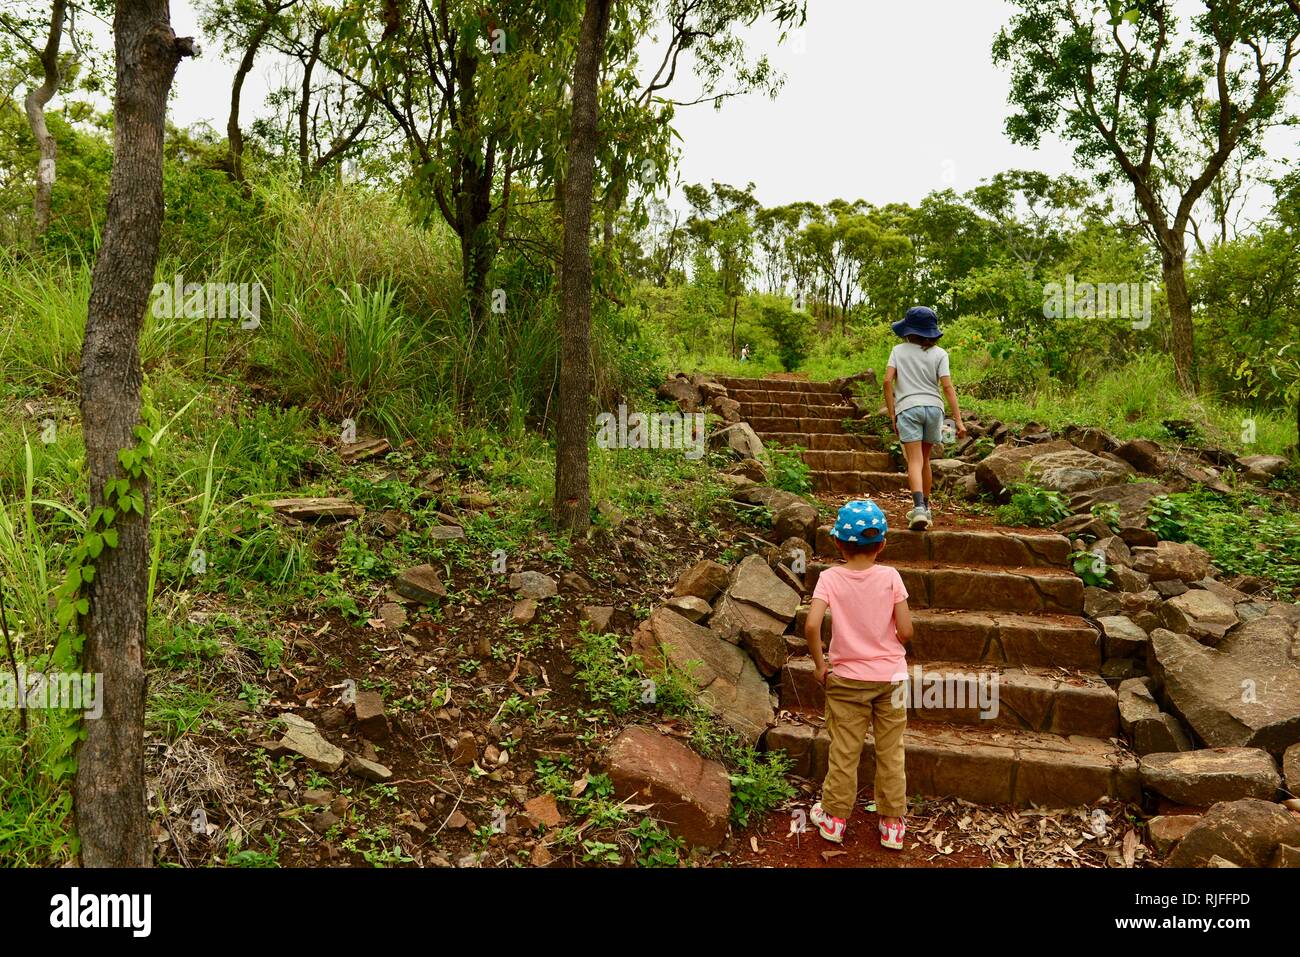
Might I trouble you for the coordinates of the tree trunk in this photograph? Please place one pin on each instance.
(109, 796)
(572, 482)
(34, 104)
(1173, 259)
(304, 109)
(234, 135)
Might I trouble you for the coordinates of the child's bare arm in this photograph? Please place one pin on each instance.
(812, 633)
(903, 621)
(890, 373)
(951, 393)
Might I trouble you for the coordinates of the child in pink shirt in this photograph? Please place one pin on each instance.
(869, 623)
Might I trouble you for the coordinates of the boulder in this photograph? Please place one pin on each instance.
(728, 408)
(1074, 470)
(691, 795)
(1009, 465)
(1167, 830)
(1201, 614)
(1123, 639)
(1134, 535)
(1181, 560)
(741, 439)
(705, 579)
(1131, 498)
(1247, 832)
(1263, 468)
(754, 582)
(725, 677)
(767, 648)
(421, 584)
(1202, 778)
(524, 611)
(598, 618)
(1291, 768)
(690, 607)
(1127, 580)
(1143, 454)
(1113, 549)
(797, 519)
(1090, 439)
(682, 391)
(1244, 693)
(533, 585)
(750, 469)
(1159, 733)
(732, 620)
(1099, 603)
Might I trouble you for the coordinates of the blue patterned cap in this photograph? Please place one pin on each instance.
(860, 521)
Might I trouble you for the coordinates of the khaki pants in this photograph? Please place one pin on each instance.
(853, 707)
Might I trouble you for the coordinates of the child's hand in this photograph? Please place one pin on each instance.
(821, 671)
(961, 430)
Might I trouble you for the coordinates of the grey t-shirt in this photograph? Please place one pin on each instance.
(918, 371)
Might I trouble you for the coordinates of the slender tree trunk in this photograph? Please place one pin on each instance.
(572, 482)
(34, 104)
(234, 135)
(1173, 259)
(304, 108)
(109, 797)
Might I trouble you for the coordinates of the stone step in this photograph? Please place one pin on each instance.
(1030, 589)
(848, 461)
(968, 546)
(993, 638)
(786, 410)
(822, 442)
(983, 765)
(787, 398)
(982, 695)
(775, 385)
(857, 483)
(810, 424)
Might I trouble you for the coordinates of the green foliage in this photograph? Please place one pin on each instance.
(1031, 505)
(1245, 534)
(789, 471)
(1091, 567)
(789, 329)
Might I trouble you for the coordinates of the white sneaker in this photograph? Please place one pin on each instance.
(919, 519)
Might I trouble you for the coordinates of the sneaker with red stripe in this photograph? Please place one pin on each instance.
(831, 828)
(891, 834)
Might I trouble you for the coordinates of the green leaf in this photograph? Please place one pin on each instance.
(110, 537)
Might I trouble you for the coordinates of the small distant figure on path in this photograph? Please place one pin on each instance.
(916, 382)
(744, 352)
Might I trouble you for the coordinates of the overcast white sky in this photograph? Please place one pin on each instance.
(884, 100)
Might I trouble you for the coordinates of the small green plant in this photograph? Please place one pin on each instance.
(758, 784)
(1031, 505)
(655, 847)
(790, 472)
(1165, 519)
(1091, 567)
(1107, 513)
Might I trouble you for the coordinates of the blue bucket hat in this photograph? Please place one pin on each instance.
(860, 521)
(919, 321)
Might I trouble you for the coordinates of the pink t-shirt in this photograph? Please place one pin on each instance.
(864, 639)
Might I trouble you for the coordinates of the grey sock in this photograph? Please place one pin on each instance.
(918, 499)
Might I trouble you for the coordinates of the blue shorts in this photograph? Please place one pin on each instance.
(921, 423)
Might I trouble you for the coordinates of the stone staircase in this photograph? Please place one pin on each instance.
(992, 608)
(810, 415)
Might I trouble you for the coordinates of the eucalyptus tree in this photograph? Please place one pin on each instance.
(110, 610)
(1153, 105)
(721, 225)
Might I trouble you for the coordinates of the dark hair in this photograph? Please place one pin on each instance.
(921, 341)
(853, 549)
